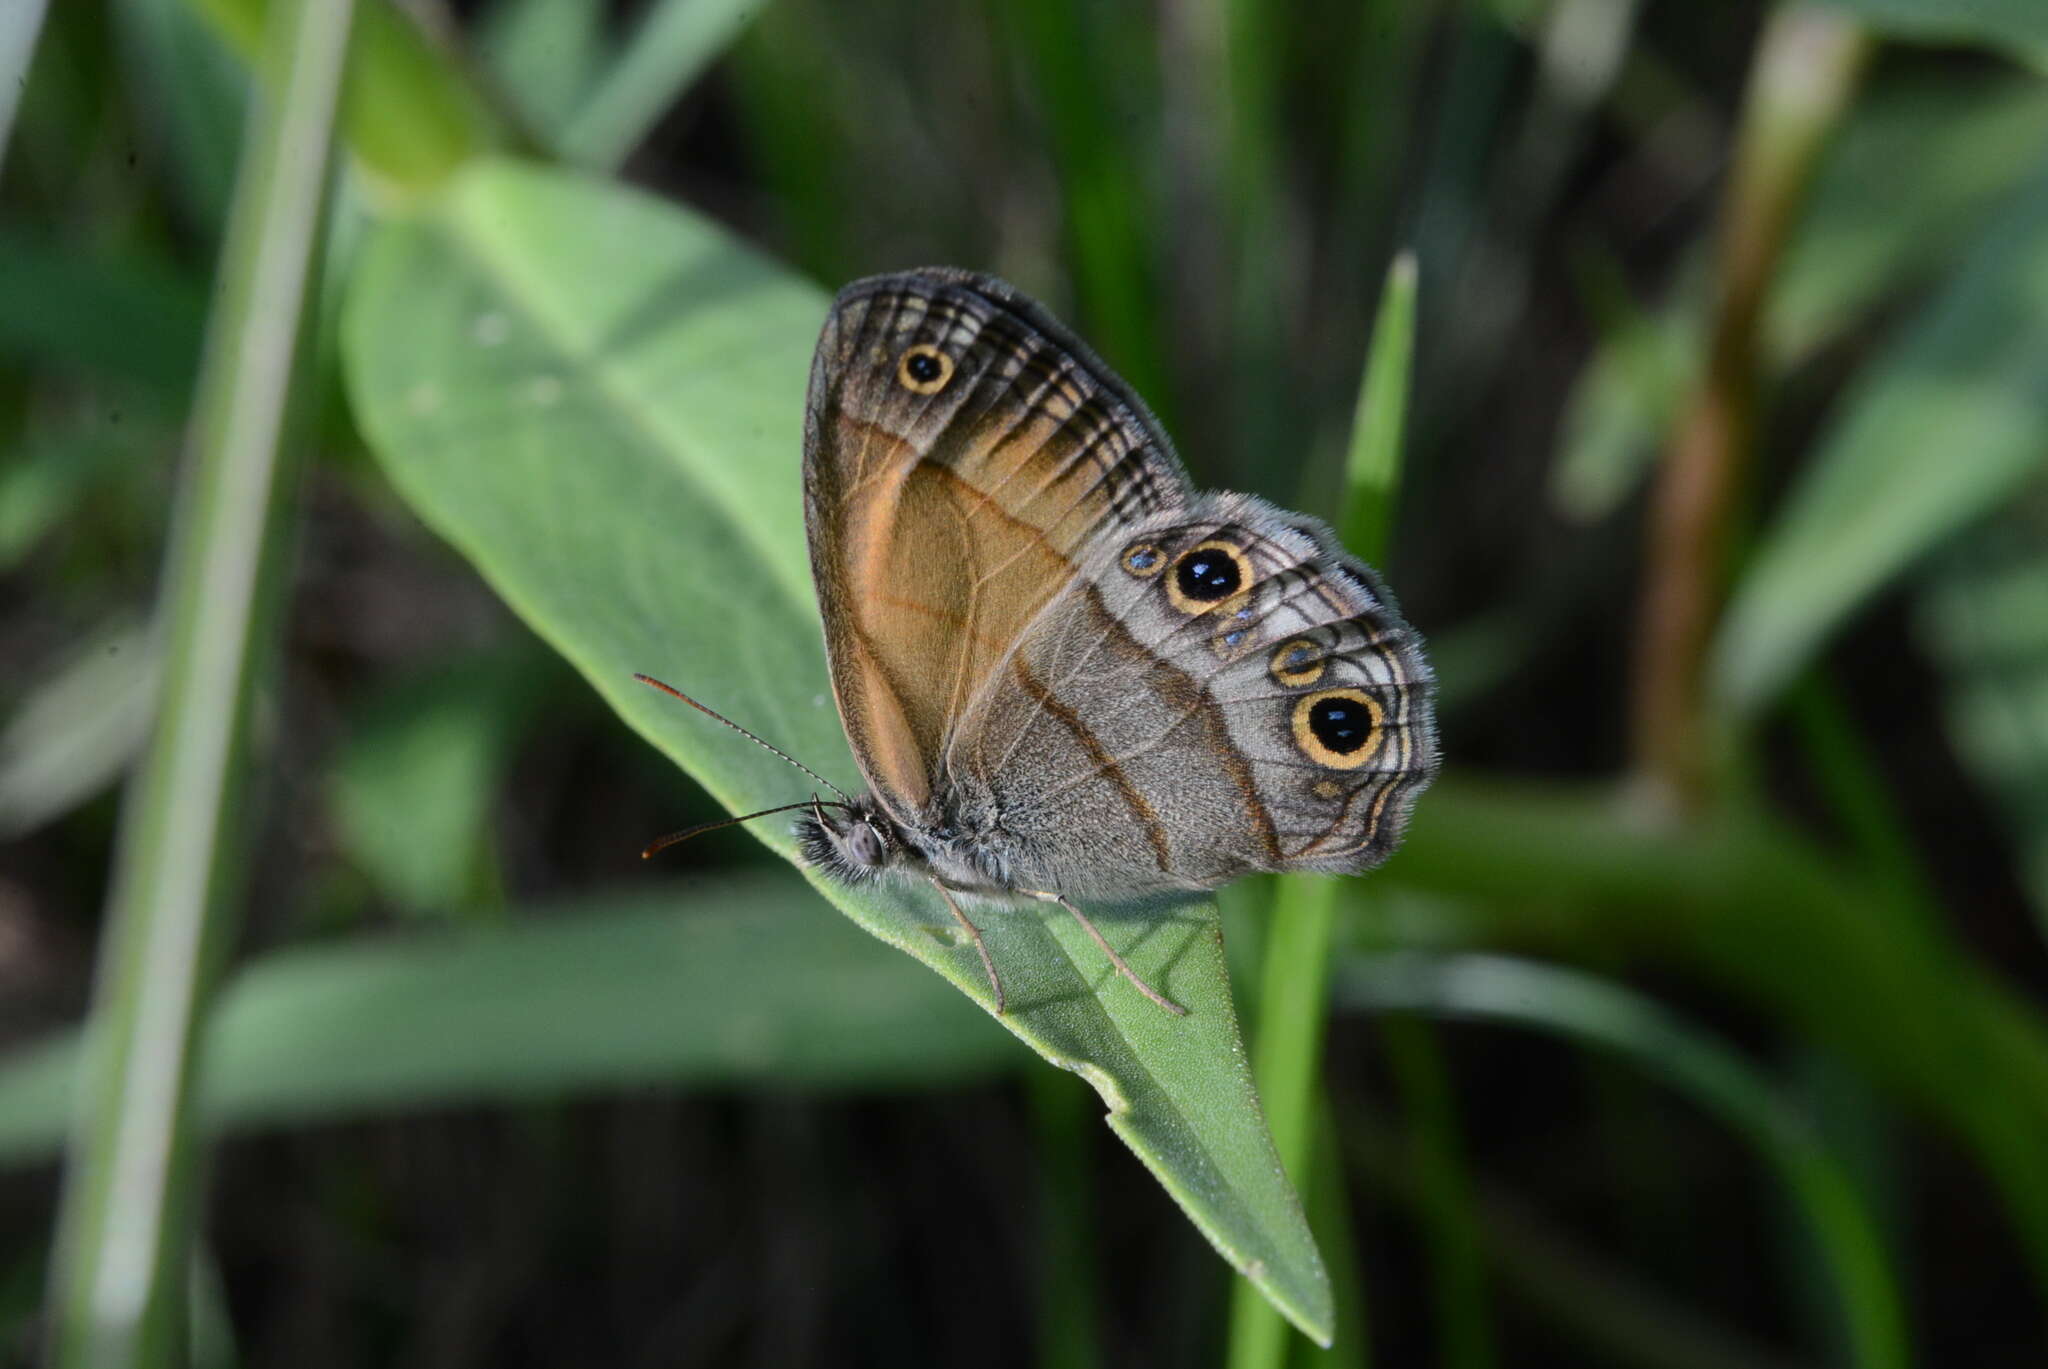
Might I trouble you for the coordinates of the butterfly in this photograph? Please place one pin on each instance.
(1067, 675)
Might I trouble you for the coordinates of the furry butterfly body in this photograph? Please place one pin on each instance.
(1065, 673)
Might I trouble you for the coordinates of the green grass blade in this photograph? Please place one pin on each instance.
(1288, 1056)
(1608, 1017)
(744, 980)
(675, 42)
(598, 399)
(119, 1288)
(1293, 1000)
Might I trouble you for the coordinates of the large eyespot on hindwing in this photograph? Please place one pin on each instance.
(1207, 574)
(1338, 728)
(923, 369)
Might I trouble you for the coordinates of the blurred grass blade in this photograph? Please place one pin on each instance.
(1608, 1017)
(673, 45)
(1372, 472)
(1983, 612)
(1083, 61)
(76, 733)
(1968, 380)
(741, 981)
(1436, 1155)
(1973, 145)
(2018, 26)
(130, 1193)
(1899, 999)
(598, 399)
(545, 56)
(198, 93)
(1294, 980)
(410, 114)
(21, 21)
(414, 785)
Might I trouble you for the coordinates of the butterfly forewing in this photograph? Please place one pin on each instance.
(963, 453)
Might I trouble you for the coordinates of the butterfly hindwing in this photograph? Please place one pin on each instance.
(1229, 686)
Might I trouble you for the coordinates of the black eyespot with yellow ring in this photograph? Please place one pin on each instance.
(1297, 663)
(1143, 560)
(1338, 728)
(1207, 574)
(923, 369)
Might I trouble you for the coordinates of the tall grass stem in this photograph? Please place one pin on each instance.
(119, 1286)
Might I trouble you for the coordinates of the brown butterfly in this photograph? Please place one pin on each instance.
(1066, 674)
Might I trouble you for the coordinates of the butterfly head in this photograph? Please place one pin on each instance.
(853, 841)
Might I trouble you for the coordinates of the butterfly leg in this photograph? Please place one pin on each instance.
(1121, 968)
(994, 981)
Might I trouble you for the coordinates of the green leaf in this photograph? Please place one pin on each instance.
(1940, 429)
(734, 982)
(598, 399)
(2019, 26)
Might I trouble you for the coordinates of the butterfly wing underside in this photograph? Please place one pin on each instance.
(962, 454)
(1223, 690)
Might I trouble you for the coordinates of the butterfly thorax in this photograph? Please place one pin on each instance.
(963, 847)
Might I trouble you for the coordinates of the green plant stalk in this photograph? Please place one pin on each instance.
(1806, 72)
(1294, 983)
(1464, 1329)
(119, 1286)
(671, 48)
(410, 114)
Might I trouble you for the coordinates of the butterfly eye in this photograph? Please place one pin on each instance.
(924, 369)
(1143, 559)
(1339, 728)
(1297, 663)
(1207, 575)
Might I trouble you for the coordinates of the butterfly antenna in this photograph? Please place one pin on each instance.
(671, 689)
(663, 843)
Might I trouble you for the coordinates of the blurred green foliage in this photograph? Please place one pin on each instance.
(812, 1149)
